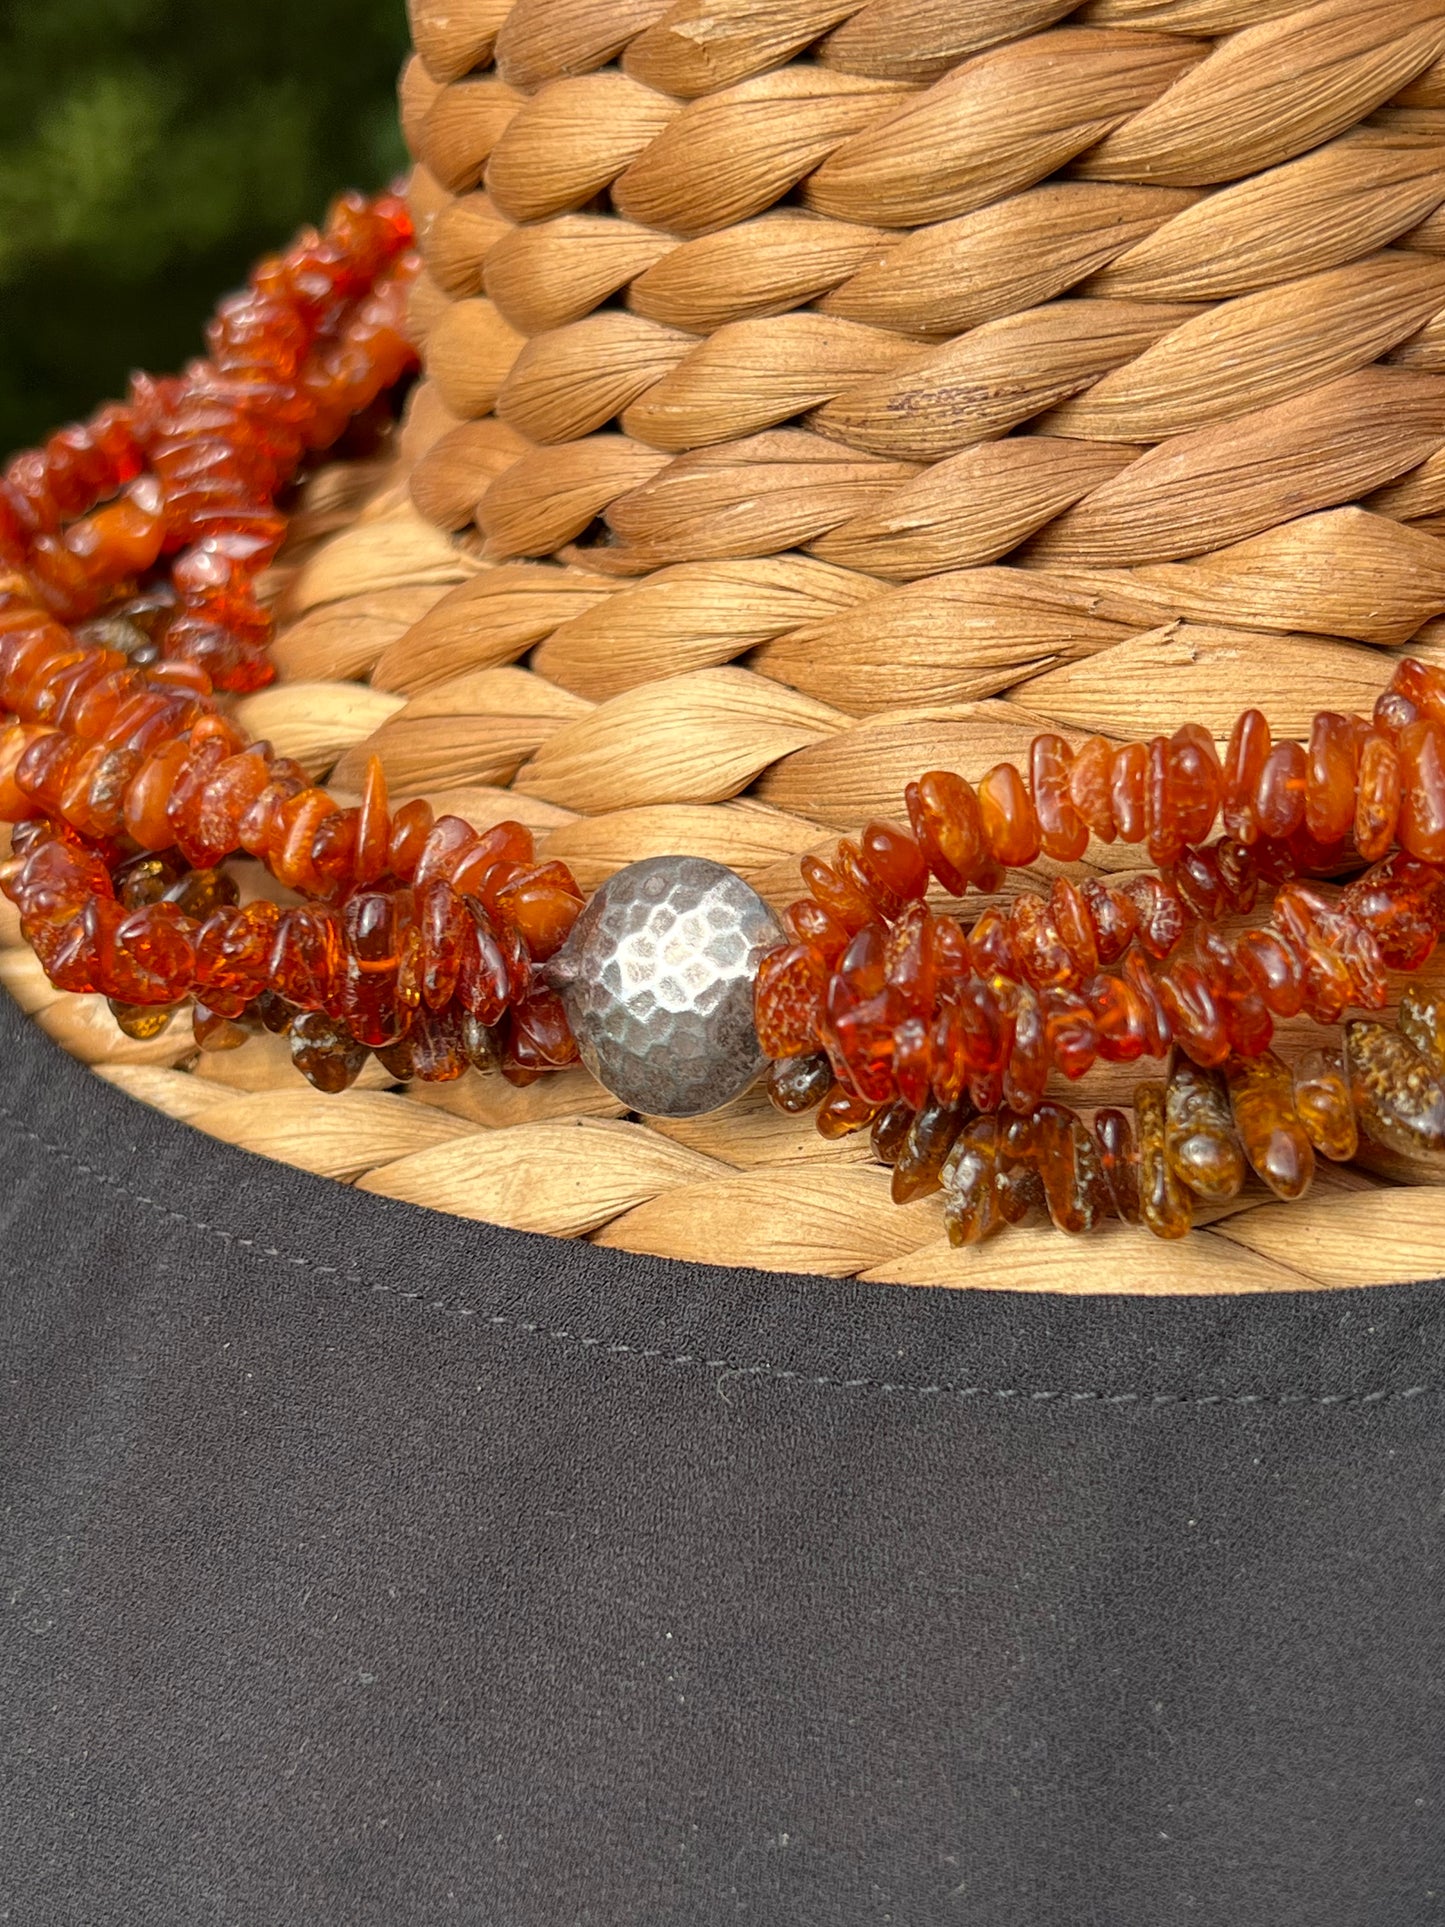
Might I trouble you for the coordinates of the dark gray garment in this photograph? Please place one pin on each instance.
(363, 1566)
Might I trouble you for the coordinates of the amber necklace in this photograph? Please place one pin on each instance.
(130, 550)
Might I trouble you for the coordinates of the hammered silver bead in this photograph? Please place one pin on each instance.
(657, 982)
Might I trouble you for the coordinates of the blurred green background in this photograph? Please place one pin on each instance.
(149, 150)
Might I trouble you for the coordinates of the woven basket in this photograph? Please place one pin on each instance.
(818, 393)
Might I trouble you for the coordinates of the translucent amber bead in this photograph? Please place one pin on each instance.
(1026, 1068)
(1071, 1035)
(1421, 828)
(1128, 781)
(893, 863)
(807, 922)
(214, 1032)
(375, 928)
(1276, 968)
(1306, 915)
(798, 1084)
(436, 1047)
(1162, 825)
(1063, 833)
(542, 905)
(486, 980)
(1069, 909)
(410, 828)
(971, 1202)
(1090, 788)
(307, 960)
(913, 1061)
(846, 903)
(1422, 1020)
(1038, 943)
(446, 929)
(148, 956)
(1114, 1136)
(1279, 798)
(373, 830)
(1119, 1019)
(1249, 748)
(1330, 774)
(843, 1113)
(1398, 1099)
(1377, 798)
(792, 984)
(1401, 902)
(1195, 1014)
(930, 1137)
(142, 1021)
(1076, 1187)
(325, 1052)
(483, 1044)
(890, 1128)
(1163, 1200)
(1017, 1187)
(1326, 1109)
(1199, 1136)
(1010, 823)
(540, 1032)
(1261, 1097)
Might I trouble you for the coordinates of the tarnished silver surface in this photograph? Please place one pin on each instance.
(657, 982)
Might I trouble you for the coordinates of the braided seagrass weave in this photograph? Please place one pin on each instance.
(818, 393)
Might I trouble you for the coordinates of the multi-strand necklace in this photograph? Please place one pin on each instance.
(130, 553)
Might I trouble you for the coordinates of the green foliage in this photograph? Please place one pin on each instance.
(149, 150)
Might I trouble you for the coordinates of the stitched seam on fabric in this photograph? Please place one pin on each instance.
(607, 1347)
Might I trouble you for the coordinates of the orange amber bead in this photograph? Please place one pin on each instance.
(841, 1113)
(1331, 769)
(1063, 833)
(1127, 784)
(946, 821)
(1010, 823)
(1038, 944)
(1090, 788)
(1195, 782)
(1421, 828)
(843, 901)
(1279, 797)
(1401, 902)
(149, 793)
(410, 828)
(1249, 748)
(893, 862)
(1377, 800)
(1421, 685)
(484, 979)
(792, 984)
(373, 829)
(540, 1036)
(808, 922)
(542, 905)
(479, 868)
(1114, 1136)
(15, 805)
(375, 934)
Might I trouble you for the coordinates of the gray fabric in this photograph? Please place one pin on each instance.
(364, 1566)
